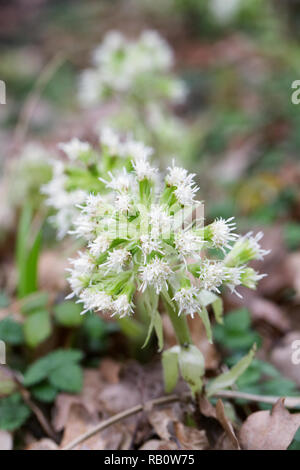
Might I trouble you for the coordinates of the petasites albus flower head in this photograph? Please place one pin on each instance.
(220, 233)
(75, 148)
(187, 299)
(156, 274)
(89, 175)
(121, 66)
(246, 249)
(142, 243)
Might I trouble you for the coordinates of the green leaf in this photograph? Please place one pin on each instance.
(192, 366)
(156, 324)
(131, 328)
(158, 327)
(206, 298)
(217, 306)
(37, 328)
(295, 445)
(7, 384)
(42, 368)
(68, 314)
(238, 320)
(229, 378)
(27, 254)
(67, 378)
(236, 340)
(44, 392)
(11, 332)
(96, 328)
(13, 412)
(21, 246)
(150, 301)
(280, 387)
(236, 333)
(35, 301)
(170, 368)
(205, 318)
(32, 265)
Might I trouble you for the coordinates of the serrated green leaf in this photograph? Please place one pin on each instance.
(68, 378)
(68, 314)
(11, 332)
(170, 368)
(229, 378)
(37, 328)
(192, 367)
(44, 392)
(41, 368)
(13, 412)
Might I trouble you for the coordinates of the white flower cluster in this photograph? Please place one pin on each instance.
(73, 180)
(142, 235)
(121, 65)
(62, 201)
(20, 180)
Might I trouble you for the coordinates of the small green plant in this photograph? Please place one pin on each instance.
(145, 237)
(59, 371)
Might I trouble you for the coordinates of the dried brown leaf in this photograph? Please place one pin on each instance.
(190, 438)
(43, 444)
(162, 422)
(88, 399)
(206, 408)
(6, 440)
(79, 422)
(226, 424)
(269, 430)
(110, 370)
(157, 444)
(262, 309)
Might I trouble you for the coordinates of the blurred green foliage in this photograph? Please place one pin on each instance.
(260, 378)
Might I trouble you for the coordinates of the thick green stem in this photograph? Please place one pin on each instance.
(179, 324)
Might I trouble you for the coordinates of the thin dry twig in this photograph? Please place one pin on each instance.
(290, 402)
(39, 415)
(124, 414)
(34, 408)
